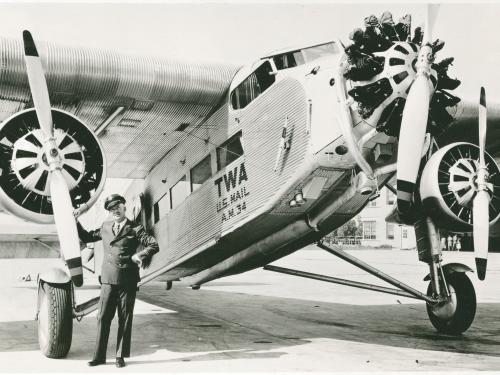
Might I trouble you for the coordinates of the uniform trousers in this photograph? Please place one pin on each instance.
(113, 298)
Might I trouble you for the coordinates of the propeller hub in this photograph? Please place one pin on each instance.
(33, 159)
(463, 181)
(424, 61)
(401, 65)
(449, 186)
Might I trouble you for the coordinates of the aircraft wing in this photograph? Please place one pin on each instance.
(464, 128)
(133, 103)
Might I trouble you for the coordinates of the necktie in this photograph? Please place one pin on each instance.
(116, 228)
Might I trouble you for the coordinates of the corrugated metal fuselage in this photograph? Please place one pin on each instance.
(241, 217)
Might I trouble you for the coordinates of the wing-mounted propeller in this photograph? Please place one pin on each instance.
(414, 120)
(59, 191)
(460, 189)
(481, 202)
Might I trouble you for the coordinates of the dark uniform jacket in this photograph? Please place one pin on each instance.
(117, 265)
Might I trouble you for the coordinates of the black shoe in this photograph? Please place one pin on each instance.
(97, 362)
(120, 362)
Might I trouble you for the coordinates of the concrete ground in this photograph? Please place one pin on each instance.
(262, 321)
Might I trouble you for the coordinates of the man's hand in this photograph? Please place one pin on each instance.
(136, 259)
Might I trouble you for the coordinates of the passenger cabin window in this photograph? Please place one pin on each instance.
(200, 173)
(254, 85)
(161, 208)
(229, 151)
(156, 213)
(178, 192)
(136, 215)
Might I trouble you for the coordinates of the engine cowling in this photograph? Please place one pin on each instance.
(24, 179)
(448, 186)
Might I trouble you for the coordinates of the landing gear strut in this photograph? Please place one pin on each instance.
(456, 311)
(450, 298)
(455, 315)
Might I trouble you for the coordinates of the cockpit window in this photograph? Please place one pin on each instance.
(299, 57)
(255, 84)
(288, 60)
(313, 53)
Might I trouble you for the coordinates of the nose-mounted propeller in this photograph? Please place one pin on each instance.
(480, 205)
(414, 120)
(59, 192)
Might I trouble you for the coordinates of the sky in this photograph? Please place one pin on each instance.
(241, 32)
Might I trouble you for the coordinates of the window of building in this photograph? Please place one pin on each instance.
(200, 173)
(229, 151)
(370, 230)
(254, 85)
(389, 196)
(390, 231)
(179, 192)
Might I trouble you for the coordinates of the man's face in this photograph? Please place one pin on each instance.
(118, 212)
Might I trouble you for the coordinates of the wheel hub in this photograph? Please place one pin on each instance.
(447, 309)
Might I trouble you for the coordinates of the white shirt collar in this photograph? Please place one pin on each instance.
(118, 225)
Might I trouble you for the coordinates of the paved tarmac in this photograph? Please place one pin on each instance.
(262, 321)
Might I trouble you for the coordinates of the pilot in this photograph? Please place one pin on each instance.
(119, 276)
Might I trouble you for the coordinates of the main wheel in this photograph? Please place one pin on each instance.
(55, 319)
(457, 314)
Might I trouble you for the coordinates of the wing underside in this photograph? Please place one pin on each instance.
(134, 103)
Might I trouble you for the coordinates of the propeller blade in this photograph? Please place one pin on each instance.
(480, 205)
(482, 126)
(432, 11)
(59, 192)
(414, 121)
(66, 226)
(480, 212)
(38, 85)
(411, 140)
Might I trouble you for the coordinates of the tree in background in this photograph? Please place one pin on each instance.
(351, 229)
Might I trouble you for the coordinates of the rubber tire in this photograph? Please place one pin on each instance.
(466, 306)
(55, 319)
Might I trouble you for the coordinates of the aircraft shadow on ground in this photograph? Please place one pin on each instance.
(215, 325)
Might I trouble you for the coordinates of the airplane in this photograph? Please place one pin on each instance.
(239, 166)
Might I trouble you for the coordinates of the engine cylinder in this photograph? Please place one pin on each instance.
(25, 172)
(448, 186)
